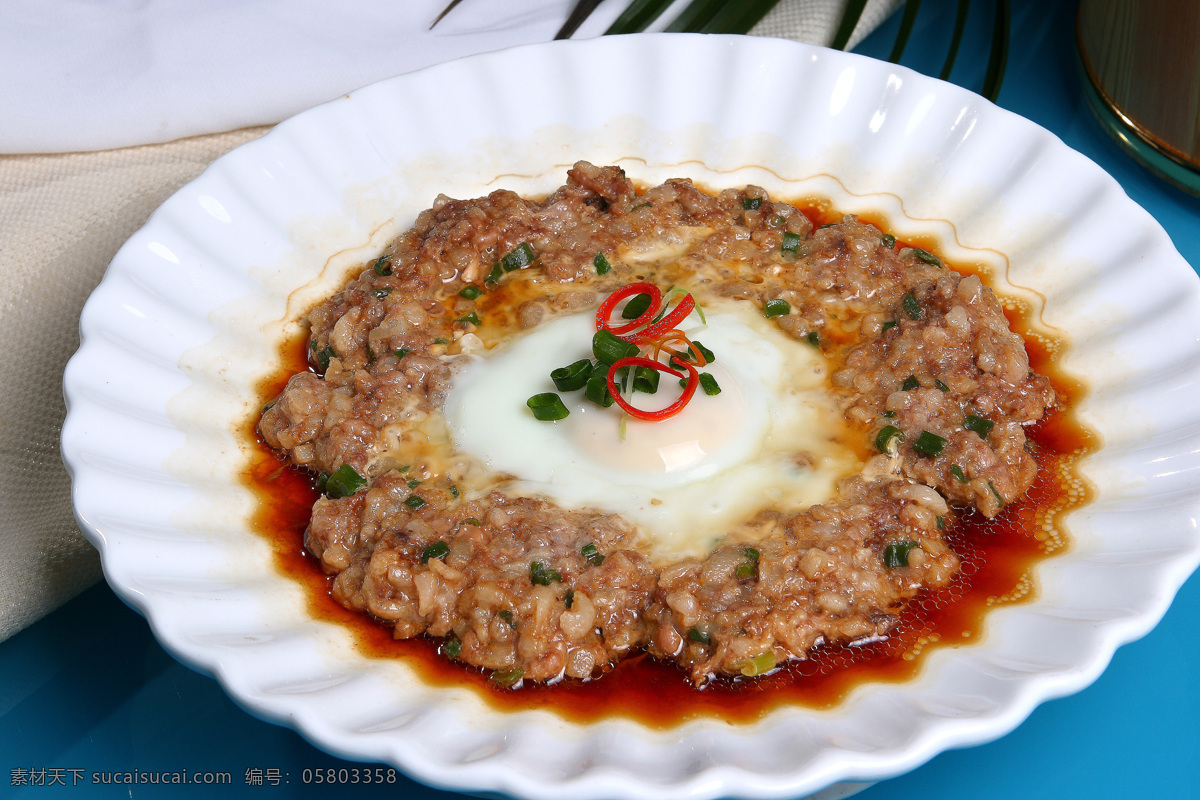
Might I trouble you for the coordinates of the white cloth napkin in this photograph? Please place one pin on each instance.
(93, 75)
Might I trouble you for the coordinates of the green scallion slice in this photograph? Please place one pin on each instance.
(709, 384)
(569, 598)
(495, 275)
(413, 483)
(472, 521)
(646, 204)
(573, 376)
(999, 499)
(911, 306)
(776, 308)
(749, 567)
(610, 348)
(472, 318)
(980, 425)
(889, 414)
(699, 636)
(441, 340)
(636, 306)
(454, 492)
(507, 678)
(438, 549)
(941, 523)
(940, 385)
(452, 646)
(888, 241)
(382, 292)
(751, 203)
(758, 665)
(891, 323)
(791, 244)
(414, 501)
(709, 356)
(547, 407)
(927, 257)
(542, 575)
(958, 473)
(929, 444)
(470, 292)
(596, 390)
(910, 383)
(591, 555)
(382, 267)
(814, 339)
(322, 355)
(520, 256)
(401, 352)
(343, 482)
(508, 617)
(888, 439)
(601, 264)
(896, 554)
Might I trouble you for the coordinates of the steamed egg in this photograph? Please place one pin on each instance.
(772, 438)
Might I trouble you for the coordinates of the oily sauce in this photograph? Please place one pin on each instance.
(997, 557)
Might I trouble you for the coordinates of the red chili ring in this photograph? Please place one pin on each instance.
(686, 306)
(661, 414)
(606, 308)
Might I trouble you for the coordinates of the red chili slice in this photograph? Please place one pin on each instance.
(686, 306)
(603, 321)
(652, 416)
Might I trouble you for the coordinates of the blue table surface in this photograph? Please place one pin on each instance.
(88, 690)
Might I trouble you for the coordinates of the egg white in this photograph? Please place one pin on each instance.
(770, 439)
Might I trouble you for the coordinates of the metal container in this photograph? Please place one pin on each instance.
(1141, 61)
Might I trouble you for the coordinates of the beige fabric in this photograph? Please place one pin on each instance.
(62, 218)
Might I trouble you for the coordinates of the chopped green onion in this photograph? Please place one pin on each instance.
(929, 444)
(778, 220)
(382, 292)
(640, 205)
(507, 616)
(322, 479)
(888, 241)
(596, 390)
(401, 352)
(507, 678)
(569, 598)
(891, 323)
(888, 439)
(601, 264)
(470, 292)
(826, 225)
(927, 257)
(758, 665)
(645, 380)
(438, 549)
(472, 521)
(591, 555)
(542, 575)
(452, 646)
(709, 356)
(791, 244)
(709, 384)
(636, 306)
(911, 306)
(413, 483)
(751, 203)
(495, 275)
(454, 492)
(958, 473)
(941, 523)
(749, 567)
(520, 256)
(472, 318)
(776, 308)
(941, 385)
(441, 340)
(382, 267)
(269, 406)
(547, 407)
(699, 636)
(896, 554)
(980, 425)
(573, 376)
(910, 383)
(610, 348)
(322, 356)
(343, 482)
(999, 499)
(814, 339)
(414, 501)
(889, 414)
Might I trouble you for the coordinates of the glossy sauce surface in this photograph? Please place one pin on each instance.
(997, 557)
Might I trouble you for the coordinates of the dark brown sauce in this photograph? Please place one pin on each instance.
(997, 557)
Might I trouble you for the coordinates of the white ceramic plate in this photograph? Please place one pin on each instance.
(193, 307)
